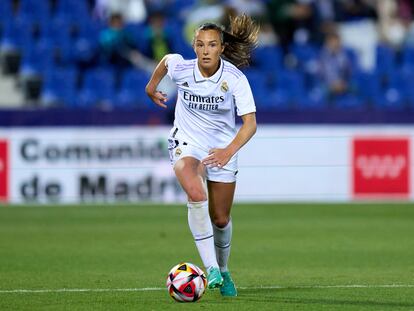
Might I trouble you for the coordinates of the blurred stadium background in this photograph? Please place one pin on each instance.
(333, 84)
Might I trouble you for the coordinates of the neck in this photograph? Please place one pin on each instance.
(208, 72)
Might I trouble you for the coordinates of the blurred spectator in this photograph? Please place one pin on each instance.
(117, 44)
(406, 8)
(355, 10)
(157, 36)
(392, 27)
(134, 11)
(358, 29)
(154, 28)
(287, 16)
(164, 6)
(255, 9)
(335, 66)
(206, 11)
(267, 36)
(119, 49)
(409, 40)
(323, 19)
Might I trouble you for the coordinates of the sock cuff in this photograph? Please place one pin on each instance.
(223, 228)
(202, 204)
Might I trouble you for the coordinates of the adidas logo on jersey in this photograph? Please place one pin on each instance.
(185, 84)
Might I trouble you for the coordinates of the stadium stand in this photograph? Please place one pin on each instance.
(53, 49)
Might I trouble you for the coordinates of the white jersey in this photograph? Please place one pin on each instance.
(205, 109)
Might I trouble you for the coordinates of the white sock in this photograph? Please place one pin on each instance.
(222, 242)
(202, 230)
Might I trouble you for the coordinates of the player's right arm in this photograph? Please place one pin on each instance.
(159, 73)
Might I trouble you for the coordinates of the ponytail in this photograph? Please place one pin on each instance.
(239, 41)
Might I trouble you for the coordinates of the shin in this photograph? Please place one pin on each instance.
(202, 230)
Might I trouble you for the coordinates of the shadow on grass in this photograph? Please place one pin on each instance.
(280, 296)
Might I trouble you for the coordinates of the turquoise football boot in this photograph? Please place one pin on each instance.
(214, 278)
(228, 289)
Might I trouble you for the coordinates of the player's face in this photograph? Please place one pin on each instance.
(208, 47)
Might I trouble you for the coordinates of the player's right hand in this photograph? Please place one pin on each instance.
(159, 98)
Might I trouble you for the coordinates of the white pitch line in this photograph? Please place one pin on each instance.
(332, 286)
(81, 290)
(148, 289)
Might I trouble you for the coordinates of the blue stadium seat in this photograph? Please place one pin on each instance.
(390, 99)
(36, 59)
(178, 6)
(179, 44)
(262, 86)
(315, 99)
(69, 36)
(132, 90)
(353, 58)
(57, 34)
(38, 11)
(408, 56)
(98, 88)
(292, 83)
(278, 99)
(258, 80)
(5, 8)
(268, 59)
(132, 99)
(17, 35)
(62, 22)
(6, 14)
(348, 102)
(84, 50)
(76, 11)
(127, 98)
(393, 95)
(406, 85)
(306, 55)
(59, 86)
(137, 31)
(379, 92)
(385, 60)
(368, 85)
(86, 43)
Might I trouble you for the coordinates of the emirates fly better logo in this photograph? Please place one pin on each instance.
(4, 167)
(381, 167)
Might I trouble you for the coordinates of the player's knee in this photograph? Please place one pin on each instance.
(220, 221)
(196, 195)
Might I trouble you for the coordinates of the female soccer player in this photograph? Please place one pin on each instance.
(204, 142)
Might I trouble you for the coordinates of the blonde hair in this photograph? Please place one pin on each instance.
(239, 41)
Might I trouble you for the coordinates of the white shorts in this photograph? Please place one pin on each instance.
(179, 149)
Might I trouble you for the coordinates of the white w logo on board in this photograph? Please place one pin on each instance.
(384, 166)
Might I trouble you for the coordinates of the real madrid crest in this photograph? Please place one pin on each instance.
(224, 87)
(178, 152)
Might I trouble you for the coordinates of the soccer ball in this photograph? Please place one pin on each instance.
(186, 282)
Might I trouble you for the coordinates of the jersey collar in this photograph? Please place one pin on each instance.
(198, 77)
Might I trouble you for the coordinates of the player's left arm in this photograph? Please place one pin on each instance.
(220, 157)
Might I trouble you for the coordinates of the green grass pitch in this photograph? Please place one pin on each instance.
(284, 257)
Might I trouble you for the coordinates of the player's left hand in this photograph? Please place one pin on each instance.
(217, 158)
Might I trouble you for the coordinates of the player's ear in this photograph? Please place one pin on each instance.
(193, 42)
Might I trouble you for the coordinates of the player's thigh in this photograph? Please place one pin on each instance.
(190, 174)
(220, 199)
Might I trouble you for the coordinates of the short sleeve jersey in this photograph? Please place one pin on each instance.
(206, 107)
